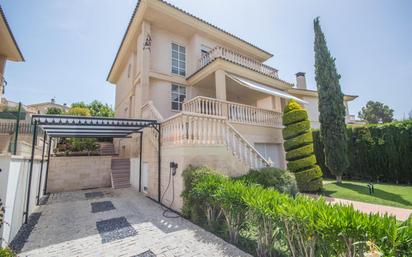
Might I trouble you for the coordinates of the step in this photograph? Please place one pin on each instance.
(120, 176)
(121, 186)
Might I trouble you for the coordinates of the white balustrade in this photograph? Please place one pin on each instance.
(220, 52)
(150, 112)
(234, 112)
(200, 129)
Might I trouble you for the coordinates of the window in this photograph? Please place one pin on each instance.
(178, 59)
(178, 96)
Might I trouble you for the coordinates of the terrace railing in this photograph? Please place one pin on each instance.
(229, 55)
(234, 112)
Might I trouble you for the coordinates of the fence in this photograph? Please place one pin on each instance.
(13, 191)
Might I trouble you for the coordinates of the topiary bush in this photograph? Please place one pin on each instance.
(271, 177)
(299, 147)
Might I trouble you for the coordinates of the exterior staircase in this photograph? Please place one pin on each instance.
(120, 173)
(107, 148)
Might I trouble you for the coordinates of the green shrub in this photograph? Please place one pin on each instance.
(302, 164)
(298, 141)
(204, 192)
(270, 177)
(6, 252)
(295, 129)
(305, 226)
(378, 152)
(229, 196)
(300, 152)
(299, 147)
(294, 116)
(192, 208)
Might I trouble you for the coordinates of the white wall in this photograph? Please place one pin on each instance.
(134, 172)
(15, 195)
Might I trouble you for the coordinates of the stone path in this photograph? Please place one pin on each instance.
(400, 213)
(117, 222)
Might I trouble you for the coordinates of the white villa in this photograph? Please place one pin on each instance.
(217, 102)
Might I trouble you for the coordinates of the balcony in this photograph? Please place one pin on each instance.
(231, 56)
(234, 112)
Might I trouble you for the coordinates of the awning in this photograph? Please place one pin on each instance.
(263, 88)
(78, 126)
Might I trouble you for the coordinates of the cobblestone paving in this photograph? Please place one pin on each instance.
(67, 227)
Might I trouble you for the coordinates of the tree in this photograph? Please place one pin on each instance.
(54, 110)
(331, 106)
(376, 112)
(79, 104)
(98, 109)
(299, 147)
(78, 111)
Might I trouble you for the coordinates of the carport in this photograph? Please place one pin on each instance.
(57, 126)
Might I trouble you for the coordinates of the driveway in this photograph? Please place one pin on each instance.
(107, 222)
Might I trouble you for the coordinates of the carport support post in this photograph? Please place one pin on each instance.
(33, 148)
(47, 167)
(140, 162)
(41, 167)
(158, 165)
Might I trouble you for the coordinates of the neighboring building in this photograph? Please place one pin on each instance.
(41, 108)
(9, 50)
(218, 103)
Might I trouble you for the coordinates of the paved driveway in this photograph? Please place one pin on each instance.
(122, 222)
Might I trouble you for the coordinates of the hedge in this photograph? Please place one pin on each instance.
(301, 226)
(376, 152)
(299, 147)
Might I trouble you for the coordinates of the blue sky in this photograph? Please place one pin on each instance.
(69, 46)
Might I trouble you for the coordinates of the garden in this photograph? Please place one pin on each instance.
(262, 214)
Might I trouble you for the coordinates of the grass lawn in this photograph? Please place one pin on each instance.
(385, 194)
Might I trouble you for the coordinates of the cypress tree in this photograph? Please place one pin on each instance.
(331, 107)
(299, 148)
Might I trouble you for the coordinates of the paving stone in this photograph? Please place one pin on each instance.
(24, 232)
(102, 206)
(115, 229)
(148, 253)
(68, 228)
(96, 194)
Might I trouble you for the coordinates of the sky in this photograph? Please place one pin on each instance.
(69, 46)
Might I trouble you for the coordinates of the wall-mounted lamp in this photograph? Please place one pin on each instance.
(173, 168)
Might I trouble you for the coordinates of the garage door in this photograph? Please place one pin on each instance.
(274, 152)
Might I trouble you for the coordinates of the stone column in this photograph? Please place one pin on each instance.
(220, 85)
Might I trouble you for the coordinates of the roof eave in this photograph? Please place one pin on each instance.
(140, 6)
(20, 57)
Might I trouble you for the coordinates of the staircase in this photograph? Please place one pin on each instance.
(107, 148)
(120, 173)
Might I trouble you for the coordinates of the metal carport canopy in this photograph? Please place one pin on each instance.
(80, 126)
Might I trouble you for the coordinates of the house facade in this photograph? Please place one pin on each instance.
(9, 50)
(217, 102)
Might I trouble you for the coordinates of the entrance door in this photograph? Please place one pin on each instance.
(145, 172)
(272, 152)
